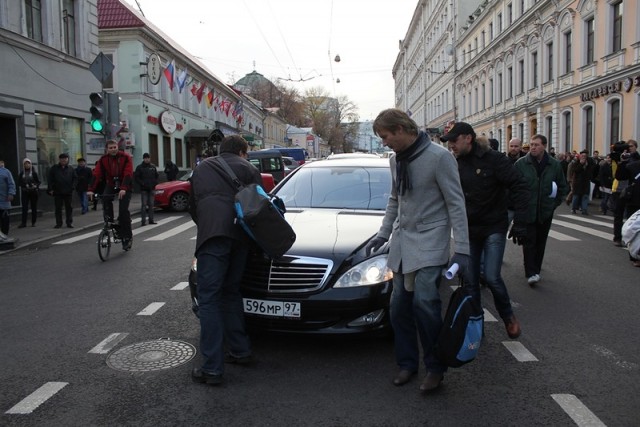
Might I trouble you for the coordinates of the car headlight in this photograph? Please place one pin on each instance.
(158, 192)
(367, 273)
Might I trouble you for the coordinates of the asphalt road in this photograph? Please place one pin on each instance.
(64, 314)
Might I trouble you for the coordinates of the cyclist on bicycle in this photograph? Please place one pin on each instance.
(115, 169)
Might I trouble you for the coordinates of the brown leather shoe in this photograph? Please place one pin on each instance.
(431, 382)
(513, 327)
(403, 377)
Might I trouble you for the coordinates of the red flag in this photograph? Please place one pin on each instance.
(209, 99)
(200, 92)
(194, 89)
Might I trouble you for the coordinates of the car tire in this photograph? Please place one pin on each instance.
(179, 201)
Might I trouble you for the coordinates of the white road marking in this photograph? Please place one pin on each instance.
(172, 232)
(562, 237)
(580, 414)
(151, 309)
(519, 351)
(96, 232)
(37, 398)
(617, 360)
(194, 238)
(180, 286)
(150, 227)
(488, 317)
(587, 230)
(106, 345)
(587, 219)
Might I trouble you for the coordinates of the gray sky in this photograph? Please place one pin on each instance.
(294, 39)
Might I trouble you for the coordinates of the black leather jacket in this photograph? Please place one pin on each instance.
(486, 175)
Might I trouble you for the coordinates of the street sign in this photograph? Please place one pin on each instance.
(154, 69)
(101, 67)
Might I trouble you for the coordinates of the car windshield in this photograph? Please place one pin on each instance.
(339, 187)
(185, 177)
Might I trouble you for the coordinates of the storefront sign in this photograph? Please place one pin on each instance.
(614, 87)
(154, 69)
(158, 120)
(168, 122)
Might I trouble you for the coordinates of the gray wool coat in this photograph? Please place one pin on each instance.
(420, 221)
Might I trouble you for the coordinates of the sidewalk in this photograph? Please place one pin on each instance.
(44, 230)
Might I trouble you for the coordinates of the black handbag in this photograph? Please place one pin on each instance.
(261, 216)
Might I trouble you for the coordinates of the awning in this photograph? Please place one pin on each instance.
(198, 133)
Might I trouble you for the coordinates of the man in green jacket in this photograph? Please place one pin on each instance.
(548, 188)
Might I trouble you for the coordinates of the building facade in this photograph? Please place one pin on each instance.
(525, 67)
(46, 50)
(170, 103)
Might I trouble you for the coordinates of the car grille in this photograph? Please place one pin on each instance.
(287, 274)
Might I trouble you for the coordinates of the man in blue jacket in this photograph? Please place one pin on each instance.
(426, 203)
(548, 187)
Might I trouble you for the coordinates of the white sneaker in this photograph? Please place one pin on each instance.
(533, 279)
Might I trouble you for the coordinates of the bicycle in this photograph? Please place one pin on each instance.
(110, 233)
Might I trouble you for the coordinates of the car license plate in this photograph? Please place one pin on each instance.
(271, 308)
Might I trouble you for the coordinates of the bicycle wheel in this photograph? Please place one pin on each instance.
(104, 244)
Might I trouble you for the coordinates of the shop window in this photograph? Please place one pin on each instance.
(56, 135)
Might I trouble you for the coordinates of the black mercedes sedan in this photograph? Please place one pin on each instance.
(325, 283)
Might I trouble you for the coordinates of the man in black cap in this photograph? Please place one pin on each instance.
(62, 182)
(485, 176)
(146, 175)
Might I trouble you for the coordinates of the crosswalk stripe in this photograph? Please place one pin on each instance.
(563, 237)
(588, 220)
(135, 232)
(587, 230)
(152, 226)
(172, 232)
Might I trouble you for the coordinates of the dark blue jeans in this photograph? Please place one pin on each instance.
(493, 248)
(221, 263)
(124, 217)
(418, 311)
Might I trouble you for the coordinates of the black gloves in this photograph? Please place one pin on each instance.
(518, 233)
(463, 263)
(374, 244)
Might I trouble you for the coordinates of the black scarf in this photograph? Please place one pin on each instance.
(403, 159)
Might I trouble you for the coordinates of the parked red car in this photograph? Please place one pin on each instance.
(174, 195)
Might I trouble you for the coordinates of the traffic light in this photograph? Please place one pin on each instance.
(112, 100)
(97, 112)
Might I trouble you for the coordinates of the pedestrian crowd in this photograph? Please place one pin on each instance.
(112, 177)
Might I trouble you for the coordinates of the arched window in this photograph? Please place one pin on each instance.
(614, 120)
(588, 128)
(566, 130)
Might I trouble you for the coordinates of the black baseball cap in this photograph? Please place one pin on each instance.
(459, 128)
(146, 156)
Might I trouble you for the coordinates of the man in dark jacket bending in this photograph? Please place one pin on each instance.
(221, 251)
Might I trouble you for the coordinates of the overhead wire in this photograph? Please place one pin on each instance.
(284, 40)
(263, 36)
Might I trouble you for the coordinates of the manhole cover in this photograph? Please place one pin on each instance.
(151, 356)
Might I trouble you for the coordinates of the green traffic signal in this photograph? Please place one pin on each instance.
(97, 126)
(97, 112)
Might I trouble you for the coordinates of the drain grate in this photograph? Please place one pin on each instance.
(151, 356)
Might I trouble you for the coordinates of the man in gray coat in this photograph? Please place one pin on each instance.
(426, 203)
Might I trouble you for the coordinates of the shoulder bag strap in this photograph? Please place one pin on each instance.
(222, 162)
